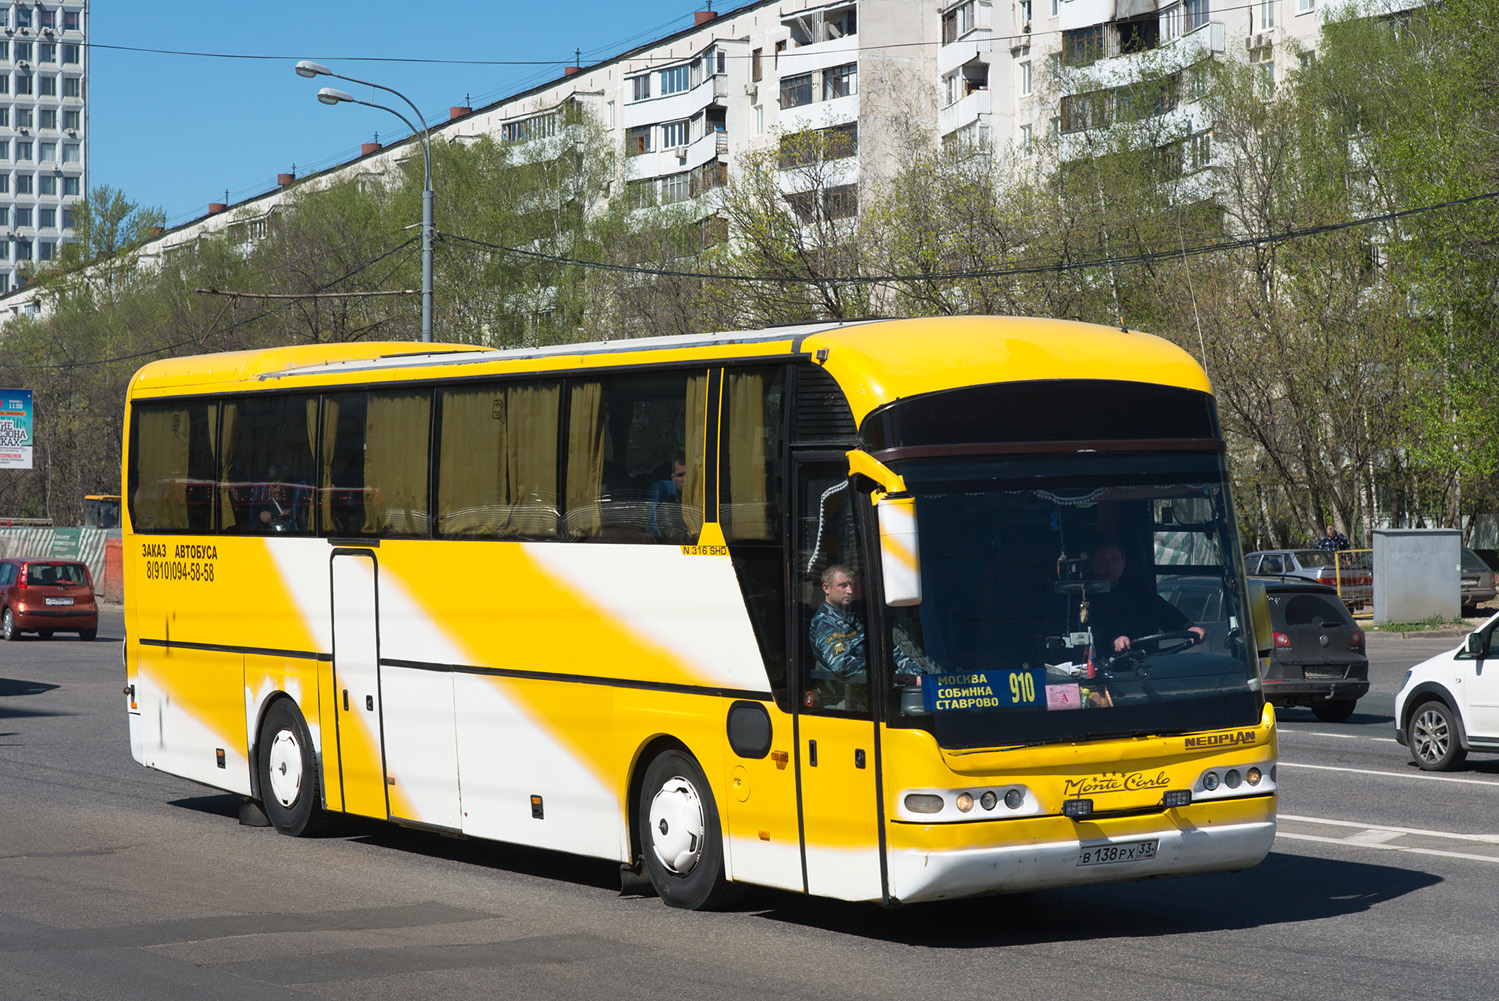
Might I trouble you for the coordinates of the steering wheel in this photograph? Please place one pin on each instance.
(1187, 637)
(1134, 654)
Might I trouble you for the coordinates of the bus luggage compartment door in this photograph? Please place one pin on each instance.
(356, 683)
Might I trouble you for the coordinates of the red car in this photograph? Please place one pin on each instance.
(46, 596)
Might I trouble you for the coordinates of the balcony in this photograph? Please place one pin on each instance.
(977, 106)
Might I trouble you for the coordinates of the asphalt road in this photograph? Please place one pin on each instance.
(121, 883)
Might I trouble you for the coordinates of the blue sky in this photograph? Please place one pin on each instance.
(176, 131)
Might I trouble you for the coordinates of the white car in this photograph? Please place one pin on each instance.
(1449, 705)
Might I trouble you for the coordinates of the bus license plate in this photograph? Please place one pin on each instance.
(1126, 851)
(59, 601)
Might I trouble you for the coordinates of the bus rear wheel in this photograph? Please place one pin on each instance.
(680, 835)
(289, 788)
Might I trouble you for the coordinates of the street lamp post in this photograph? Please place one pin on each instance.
(330, 96)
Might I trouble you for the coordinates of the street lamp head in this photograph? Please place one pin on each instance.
(330, 96)
(310, 69)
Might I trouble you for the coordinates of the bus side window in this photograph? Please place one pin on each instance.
(751, 433)
(173, 456)
(830, 572)
(266, 469)
(497, 461)
(373, 479)
(635, 458)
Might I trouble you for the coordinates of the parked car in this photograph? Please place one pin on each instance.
(1479, 583)
(1316, 651)
(1321, 566)
(46, 596)
(1449, 705)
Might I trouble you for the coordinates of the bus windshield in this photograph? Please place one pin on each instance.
(1075, 597)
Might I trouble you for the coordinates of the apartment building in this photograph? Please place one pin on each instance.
(43, 128)
(882, 76)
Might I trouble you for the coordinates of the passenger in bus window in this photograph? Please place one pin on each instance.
(1130, 608)
(665, 520)
(840, 672)
(277, 506)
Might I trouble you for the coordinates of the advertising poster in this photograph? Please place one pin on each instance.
(15, 429)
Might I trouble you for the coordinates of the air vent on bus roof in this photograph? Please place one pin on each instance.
(822, 412)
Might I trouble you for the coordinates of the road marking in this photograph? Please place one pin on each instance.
(1394, 775)
(1492, 839)
(1394, 848)
(1340, 736)
(1374, 837)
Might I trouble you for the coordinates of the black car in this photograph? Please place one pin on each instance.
(1316, 651)
(1317, 658)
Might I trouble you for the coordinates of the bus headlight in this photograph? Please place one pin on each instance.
(964, 801)
(923, 803)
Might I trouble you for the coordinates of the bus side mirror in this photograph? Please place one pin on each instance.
(1259, 618)
(900, 553)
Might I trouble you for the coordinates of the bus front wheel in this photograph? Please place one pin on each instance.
(289, 787)
(680, 834)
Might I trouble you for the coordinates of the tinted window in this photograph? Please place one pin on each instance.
(1313, 610)
(497, 462)
(1473, 562)
(750, 440)
(374, 462)
(57, 573)
(172, 459)
(265, 483)
(7, 573)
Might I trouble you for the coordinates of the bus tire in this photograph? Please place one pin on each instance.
(680, 835)
(289, 787)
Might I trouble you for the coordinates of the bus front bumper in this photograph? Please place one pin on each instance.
(1048, 852)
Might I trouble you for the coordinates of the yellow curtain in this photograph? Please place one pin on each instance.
(228, 475)
(531, 460)
(161, 460)
(585, 459)
(695, 436)
(330, 435)
(747, 514)
(397, 433)
(471, 486)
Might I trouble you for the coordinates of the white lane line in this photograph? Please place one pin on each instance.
(1394, 775)
(1341, 736)
(1393, 848)
(1492, 839)
(1373, 837)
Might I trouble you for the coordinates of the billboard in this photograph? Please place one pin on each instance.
(15, 429)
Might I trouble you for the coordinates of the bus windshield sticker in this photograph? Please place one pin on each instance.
(1064, 696)
(983, 690)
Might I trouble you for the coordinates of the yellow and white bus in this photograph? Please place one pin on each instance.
(864, 610)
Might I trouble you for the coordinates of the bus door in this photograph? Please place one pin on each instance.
(356, 683)
(838, 787)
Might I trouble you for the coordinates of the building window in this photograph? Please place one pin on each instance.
(638, 140)
(46, 52)
(48, 16)
(4, 220)
(4, 49)
(23, 118)
(67, 218)
(1024, 9)
(44, 250)
(1262, 63)
(1267, 15)
(70, 20)
(5, 117)
(1027, 141)
(675, 80)
(23, 216)
(1085, 111)
(70, 54)
(23, 247)
(49, 152)
(48, 85)
(4, 183)
(47, 118)
(23, 51)
(72, 86)
(959, 21)
(46, 219)
(4, 149)
(23, 152)
(1025, 79)
(23, 83)
(70, 186)
(759, 120)
(1197, 14)
(1083, 45)
(840, 81)
(1302, 6)
(796, 91)
(47, 184)
(23, 17)
(674, 134)
(70, 152)
(640, 87)
(1055, 7)
(755, 70)
(676, 187)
